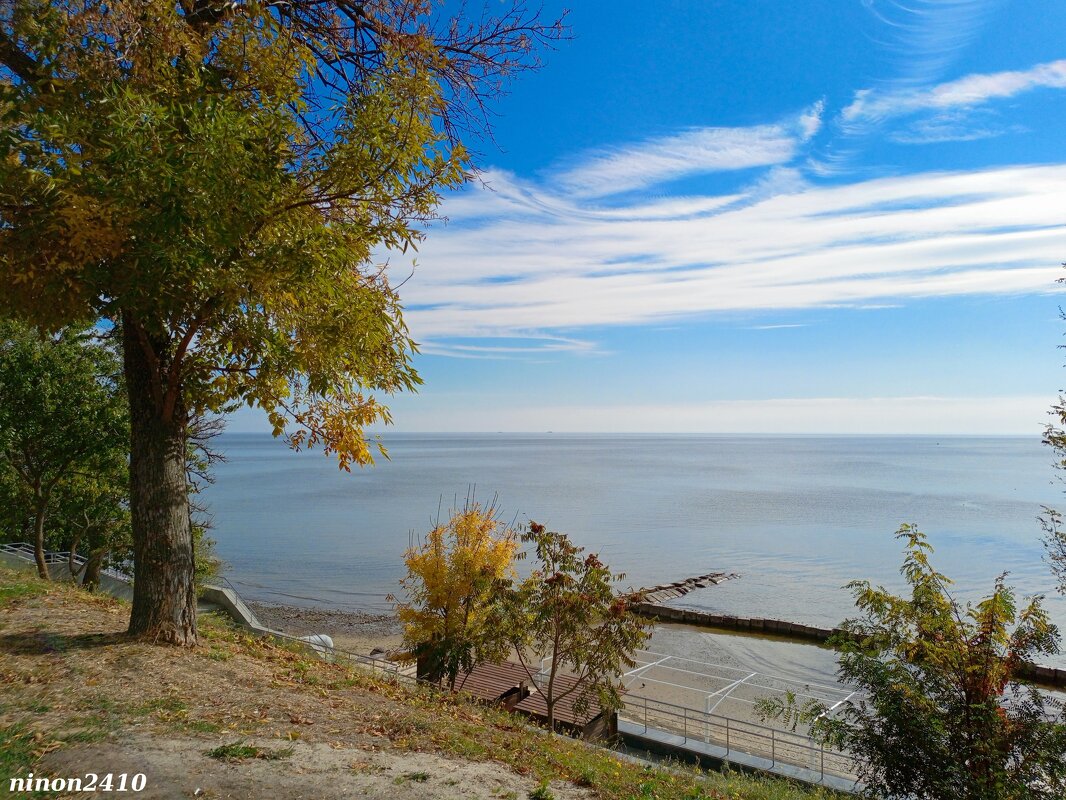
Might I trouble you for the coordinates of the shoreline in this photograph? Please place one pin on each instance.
(362, 632)
(358, 631)
(384, 630)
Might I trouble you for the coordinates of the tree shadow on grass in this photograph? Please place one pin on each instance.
(45, 642)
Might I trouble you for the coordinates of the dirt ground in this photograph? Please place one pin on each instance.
(176, 768)
(95, 701)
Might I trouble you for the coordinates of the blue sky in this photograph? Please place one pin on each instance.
(754, 216)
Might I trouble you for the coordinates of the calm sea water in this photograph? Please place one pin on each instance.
(796, 517)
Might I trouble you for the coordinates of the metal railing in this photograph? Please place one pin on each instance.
(779, 747)
(25, 552)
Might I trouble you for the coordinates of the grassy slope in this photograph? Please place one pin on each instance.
(69, 676)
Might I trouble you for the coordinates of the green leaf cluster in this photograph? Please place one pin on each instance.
(569, 613)
(64, 434)
(941, 712)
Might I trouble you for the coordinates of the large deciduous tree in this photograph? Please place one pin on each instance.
(214, 177)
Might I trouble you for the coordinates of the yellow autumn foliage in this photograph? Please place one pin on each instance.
(451, 576)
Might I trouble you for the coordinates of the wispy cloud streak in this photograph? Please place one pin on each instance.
(538, 263)
(870, 105)
(927, 36)
(691, 152)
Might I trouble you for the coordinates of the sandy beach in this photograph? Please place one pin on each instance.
(357, 631)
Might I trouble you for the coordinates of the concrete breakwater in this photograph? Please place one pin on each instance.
(1045, 676)
(776, 627)
(649, 604)
(671, 591)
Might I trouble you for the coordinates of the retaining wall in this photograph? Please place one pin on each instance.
(233, 605)
(60, 571)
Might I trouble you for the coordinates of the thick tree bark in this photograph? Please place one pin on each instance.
(164, 597)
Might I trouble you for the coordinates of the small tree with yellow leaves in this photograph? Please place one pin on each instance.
(451, 577)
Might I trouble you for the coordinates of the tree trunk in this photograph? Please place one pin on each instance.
(93, 567)
(38, 535)
(164, 597)
(72, 565)
(549, 696)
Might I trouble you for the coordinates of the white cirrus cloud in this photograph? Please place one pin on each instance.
(810, 121)
(692, 152)
(971, 91)
(544, 264)
(927, 36)
(953, 125)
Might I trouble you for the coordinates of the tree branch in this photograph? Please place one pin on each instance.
(12, 57)
(174, 388)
